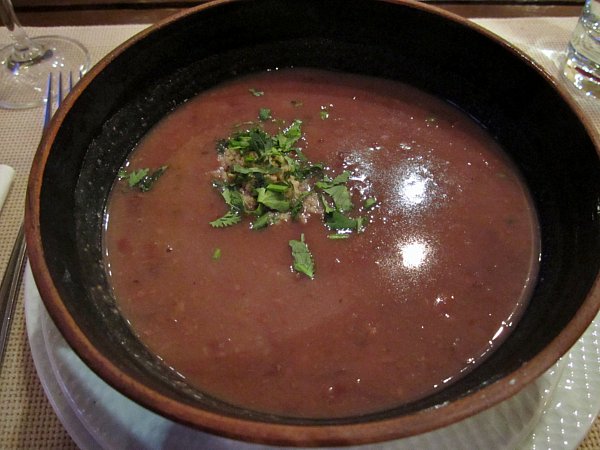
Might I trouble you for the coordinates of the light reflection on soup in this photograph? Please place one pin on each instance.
(435, 282)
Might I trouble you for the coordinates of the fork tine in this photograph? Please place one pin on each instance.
(59, 90)
(48, 107)
(61, 93)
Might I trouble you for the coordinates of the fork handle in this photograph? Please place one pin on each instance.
(9, 289)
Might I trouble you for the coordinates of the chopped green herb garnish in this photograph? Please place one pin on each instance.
(369, 203)
(288, 138)
(264, 173)
(230, 218)
(263, 221)
(338, 191)
(341, 197)
(233, 198)
(216, 254)
(325, 183)
(246, 170)
(338, 221)
(344, 177)
(256, 93)
(264, 114)
(134, 177)
(360, 224)
(273, 200)
(143, 179)
(324, 114)
(327, 208)
(277, 187)
(338, 236)
(303, 260)
(267, 177)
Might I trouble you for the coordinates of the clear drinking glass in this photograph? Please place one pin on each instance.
(582, 65)
(26, 64)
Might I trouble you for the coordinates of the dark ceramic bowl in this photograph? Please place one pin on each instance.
(135, 86)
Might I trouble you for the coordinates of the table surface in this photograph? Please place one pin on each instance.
(28, 420)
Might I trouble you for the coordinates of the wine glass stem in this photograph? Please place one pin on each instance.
(25, 51)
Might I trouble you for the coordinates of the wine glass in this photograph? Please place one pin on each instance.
(26, 64)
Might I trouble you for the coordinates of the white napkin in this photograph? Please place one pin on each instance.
(7, 175)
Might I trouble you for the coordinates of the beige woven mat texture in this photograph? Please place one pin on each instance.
(27, 420)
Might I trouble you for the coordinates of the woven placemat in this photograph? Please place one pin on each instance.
(27, 420)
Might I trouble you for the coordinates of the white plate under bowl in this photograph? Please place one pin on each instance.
(554, 412)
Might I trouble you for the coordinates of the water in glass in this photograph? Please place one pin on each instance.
(582, 65)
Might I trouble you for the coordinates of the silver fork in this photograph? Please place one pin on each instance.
(9, 288)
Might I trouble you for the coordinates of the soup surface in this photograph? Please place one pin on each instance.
(433, 279)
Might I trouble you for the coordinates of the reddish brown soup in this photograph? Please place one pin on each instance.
(435, 281)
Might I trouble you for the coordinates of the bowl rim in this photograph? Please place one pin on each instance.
(266, 432)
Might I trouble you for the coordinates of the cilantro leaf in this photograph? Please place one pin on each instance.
(273, 200)
(341, 197)
(307, 170)
(302, 258)
(370, 202)
(263, 221)
(253, 140)
(259, 140)
(230, 218)
(289, 136)
(216, 254)
(136, 176)
(338, 191)
(338, 221)
(142, 179)
(294, 131)
(296, 206)
(233, 198)
(326, 206)
(326, 182)
(264, 114)
(342, 178)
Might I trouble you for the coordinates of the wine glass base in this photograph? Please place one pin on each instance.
(23, 84)
(15, 65)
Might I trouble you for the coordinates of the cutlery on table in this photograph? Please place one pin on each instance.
(11, 282)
